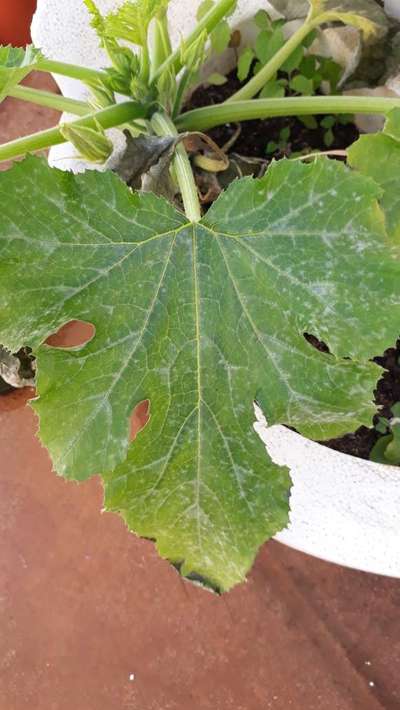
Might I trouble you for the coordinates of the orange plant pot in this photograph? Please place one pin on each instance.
(15, 21)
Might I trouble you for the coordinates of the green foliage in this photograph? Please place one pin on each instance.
(294, 61)
(217, 79)
(300, 74)
(268, 43)
(301, 85)
(194, 55)
(197, 479)
(91, 143)
(101, 94)
(285, 134)
(272, 147)
(392, 125)
(262, 20)
(274, 89)
(17, 57)
(15, 64)
(330, 72)
(201, 316)
(204, 8)
(97, 19)
(387, 448)
(131, 21)
(244, 63)
(124, 75)
(129, 72)
(328, 123)
(281, 146)
(309, 122)
(379, 157)
(220, 37)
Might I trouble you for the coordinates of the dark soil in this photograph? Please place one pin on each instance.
(387, 393)
(255, 135)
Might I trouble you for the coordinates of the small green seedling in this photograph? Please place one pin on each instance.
(328, 123)
(387, 448)
(301, 74)
(282, 145)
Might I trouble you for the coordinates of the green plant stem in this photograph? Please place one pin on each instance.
(71, 70)
(202, 119)
(180, 93)
(47, 98)
(163, 126)
(107, 118)
(254, 86)
(161, 46)
(208, 23)
(145, 64)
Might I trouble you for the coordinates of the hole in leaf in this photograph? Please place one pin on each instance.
(317, 344)
(139, 418)
(72, 335)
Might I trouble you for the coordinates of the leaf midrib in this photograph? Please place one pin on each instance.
(196, 296)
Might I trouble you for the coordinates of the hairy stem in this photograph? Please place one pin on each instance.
(208, 117)
(107, 118)
(208, 23)
(71, 70)
(163, 126)
(254, 86)
(47, 98)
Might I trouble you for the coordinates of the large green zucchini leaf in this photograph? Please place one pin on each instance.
(202, 320)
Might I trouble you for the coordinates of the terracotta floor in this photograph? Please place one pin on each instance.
(92, 619)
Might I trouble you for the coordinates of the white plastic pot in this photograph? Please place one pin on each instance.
(343, 509)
